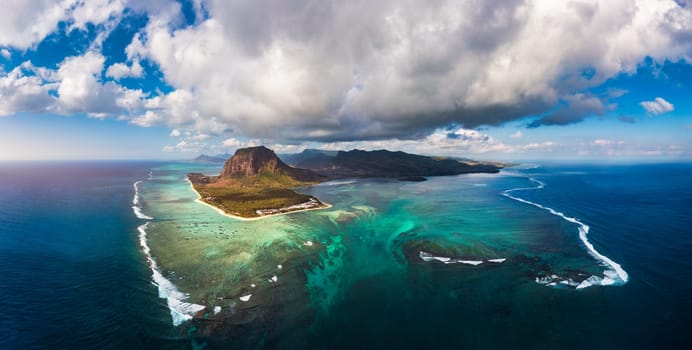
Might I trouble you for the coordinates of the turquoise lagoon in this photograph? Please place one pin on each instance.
(387, 250)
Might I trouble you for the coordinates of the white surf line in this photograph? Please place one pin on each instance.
(180, 310)
(135, 200)
(616, 271)
(135, 204)
(427, 257)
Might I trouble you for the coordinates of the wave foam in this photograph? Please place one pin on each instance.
(615, 274)
(337, 183)
(135, 200)
(180, 310)
(135, 204)
(139, 214)
(429, 257)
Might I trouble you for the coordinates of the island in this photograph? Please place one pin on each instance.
(256, 183)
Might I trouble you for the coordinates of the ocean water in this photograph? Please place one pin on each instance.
(72, 275)
(116, 255)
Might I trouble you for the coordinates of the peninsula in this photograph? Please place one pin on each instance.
(255, 182)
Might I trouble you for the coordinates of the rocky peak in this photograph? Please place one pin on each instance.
(253, 160)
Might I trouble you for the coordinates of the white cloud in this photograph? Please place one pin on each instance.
(280, 148)
(147, 119)
(186, 147)
(6, 53)
(130, 100)
(77, 84)
(95, 11)
(200, 137)
(236, 143)
(517, 135)
(545, 145)
(305, 71)
(27, 22)
(78, 80)
(80, 88)
(121, 70)
(22, 92)
(606, 142)
(284, 73)
(657, 106)
(174, 133)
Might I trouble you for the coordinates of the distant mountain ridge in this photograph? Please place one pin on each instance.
(383, 163)
(310, 158)
(219, 158)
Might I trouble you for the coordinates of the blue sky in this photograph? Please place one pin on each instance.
(122, 79)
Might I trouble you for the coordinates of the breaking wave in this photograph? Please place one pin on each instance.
(427, 257)
(180, 310)
(614, 273)
(135, 204)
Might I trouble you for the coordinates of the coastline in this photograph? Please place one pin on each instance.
(220, 211)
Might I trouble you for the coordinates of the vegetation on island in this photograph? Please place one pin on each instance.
(254, 183)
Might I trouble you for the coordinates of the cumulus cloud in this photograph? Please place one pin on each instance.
(517, 135)
(121, 70)
(186, 147)
(6, 54)
(303, 70)
(236, 143)
(147, 119)
(81, 90)
(349, 71)
(27, 22)
(74, 87)
(22, 89)
(657, 106)
(174, 133)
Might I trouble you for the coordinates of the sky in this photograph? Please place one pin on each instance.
(500, 80)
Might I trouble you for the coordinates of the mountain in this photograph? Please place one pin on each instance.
(203, 158)
(254, 182)
(253, 161)
(219, 158)
(310, 158)
(383, 163)
(223, 156)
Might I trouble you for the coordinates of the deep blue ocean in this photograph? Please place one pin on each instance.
(73, 274)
